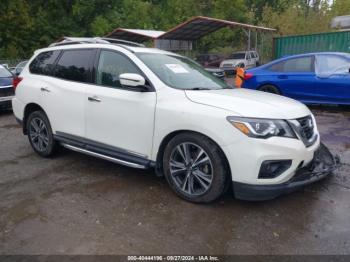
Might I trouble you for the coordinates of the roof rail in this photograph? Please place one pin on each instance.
(93, 40)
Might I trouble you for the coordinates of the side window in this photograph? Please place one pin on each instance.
(74, 65)
(302, 64)
(252, 55)
(327, 65)
(247, 56)
(43, 64)
(110, 66)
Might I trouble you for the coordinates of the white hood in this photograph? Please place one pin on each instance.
(250, 103)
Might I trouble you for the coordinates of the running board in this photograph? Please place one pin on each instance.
(112, 159)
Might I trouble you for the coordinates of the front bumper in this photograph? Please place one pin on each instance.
(322, 165)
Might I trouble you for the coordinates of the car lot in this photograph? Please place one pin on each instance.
(76, 204)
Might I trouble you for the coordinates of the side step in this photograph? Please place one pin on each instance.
(112, 159)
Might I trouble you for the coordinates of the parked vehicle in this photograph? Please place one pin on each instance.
(148, 108)
(209, 60)
(248, 59)
(6, 90)
(219, 73)
(316, 78)
(18, 69)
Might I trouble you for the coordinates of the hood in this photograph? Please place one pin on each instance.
(5, 81)
(250, 103)
(233, 61)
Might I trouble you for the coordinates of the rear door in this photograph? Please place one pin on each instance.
(295, 77)
(333, 78)
(63, 94)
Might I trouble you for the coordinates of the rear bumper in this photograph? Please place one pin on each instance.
(321, 166)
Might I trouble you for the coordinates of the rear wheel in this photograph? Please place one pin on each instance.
(270, 89)
(40, 134)
(195, 168)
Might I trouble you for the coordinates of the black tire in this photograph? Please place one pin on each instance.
(216, 164)
(270, 89)
(48, 144)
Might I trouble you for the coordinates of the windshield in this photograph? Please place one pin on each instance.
(328, 65)
(4, 72)
(237, 56)
(180, 72)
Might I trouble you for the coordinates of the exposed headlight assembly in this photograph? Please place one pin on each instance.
(262, 128)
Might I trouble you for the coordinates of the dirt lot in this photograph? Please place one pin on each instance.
(76, 204)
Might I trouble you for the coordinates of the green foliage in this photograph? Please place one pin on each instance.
(26, 25)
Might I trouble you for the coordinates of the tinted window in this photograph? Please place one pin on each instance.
(43, 63)
(74, 65)
(237, 56)
(302, 64)
(110, 66)
(4, 72)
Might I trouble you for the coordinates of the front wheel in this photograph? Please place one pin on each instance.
(40, 134)
(195, 168)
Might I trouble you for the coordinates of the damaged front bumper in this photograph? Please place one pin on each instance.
(322, 165)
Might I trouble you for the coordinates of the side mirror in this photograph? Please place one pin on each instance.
(132, 80)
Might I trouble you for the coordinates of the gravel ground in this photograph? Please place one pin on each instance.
(76, 204)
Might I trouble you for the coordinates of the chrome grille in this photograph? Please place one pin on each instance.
(305, 129)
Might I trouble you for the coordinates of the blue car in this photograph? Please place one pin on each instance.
(315, 78)
(6, 89)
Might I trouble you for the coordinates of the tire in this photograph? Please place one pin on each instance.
(206, 169)
(40, 134)
(270, 89)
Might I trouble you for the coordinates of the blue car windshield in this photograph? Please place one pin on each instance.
(329, 64)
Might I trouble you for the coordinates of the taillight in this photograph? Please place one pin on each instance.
(16, 81)
(248, 76)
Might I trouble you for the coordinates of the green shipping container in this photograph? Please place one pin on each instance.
(323, 42)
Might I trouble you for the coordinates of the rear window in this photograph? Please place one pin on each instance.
(237, 56)
(74, 65)
(43, 64)
(4, 72)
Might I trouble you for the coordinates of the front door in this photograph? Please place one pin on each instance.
(117, 116)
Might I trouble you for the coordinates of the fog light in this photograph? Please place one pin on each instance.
(273, 168)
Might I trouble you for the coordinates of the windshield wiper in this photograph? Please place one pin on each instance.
(199, 88)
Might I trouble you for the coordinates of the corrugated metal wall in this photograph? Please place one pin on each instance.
(291, 45)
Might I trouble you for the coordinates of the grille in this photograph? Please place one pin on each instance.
(307, 127)
(6, 92)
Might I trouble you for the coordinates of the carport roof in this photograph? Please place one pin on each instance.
(136, 35)
(200, 26)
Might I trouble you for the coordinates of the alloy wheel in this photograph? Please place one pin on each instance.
(191, 169)
(38, 134)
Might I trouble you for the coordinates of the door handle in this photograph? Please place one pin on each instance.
(44, 89)
(94, 99)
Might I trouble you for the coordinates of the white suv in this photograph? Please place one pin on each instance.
(148, 108)
(247, 59)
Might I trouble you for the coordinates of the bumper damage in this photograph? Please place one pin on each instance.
(322, 165)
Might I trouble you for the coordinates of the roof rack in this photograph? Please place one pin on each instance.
(93, 40)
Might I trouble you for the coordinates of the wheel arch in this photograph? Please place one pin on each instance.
(270, 84)
(168, 137)
(29, 108)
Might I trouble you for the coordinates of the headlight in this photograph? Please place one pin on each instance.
(262, 128)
